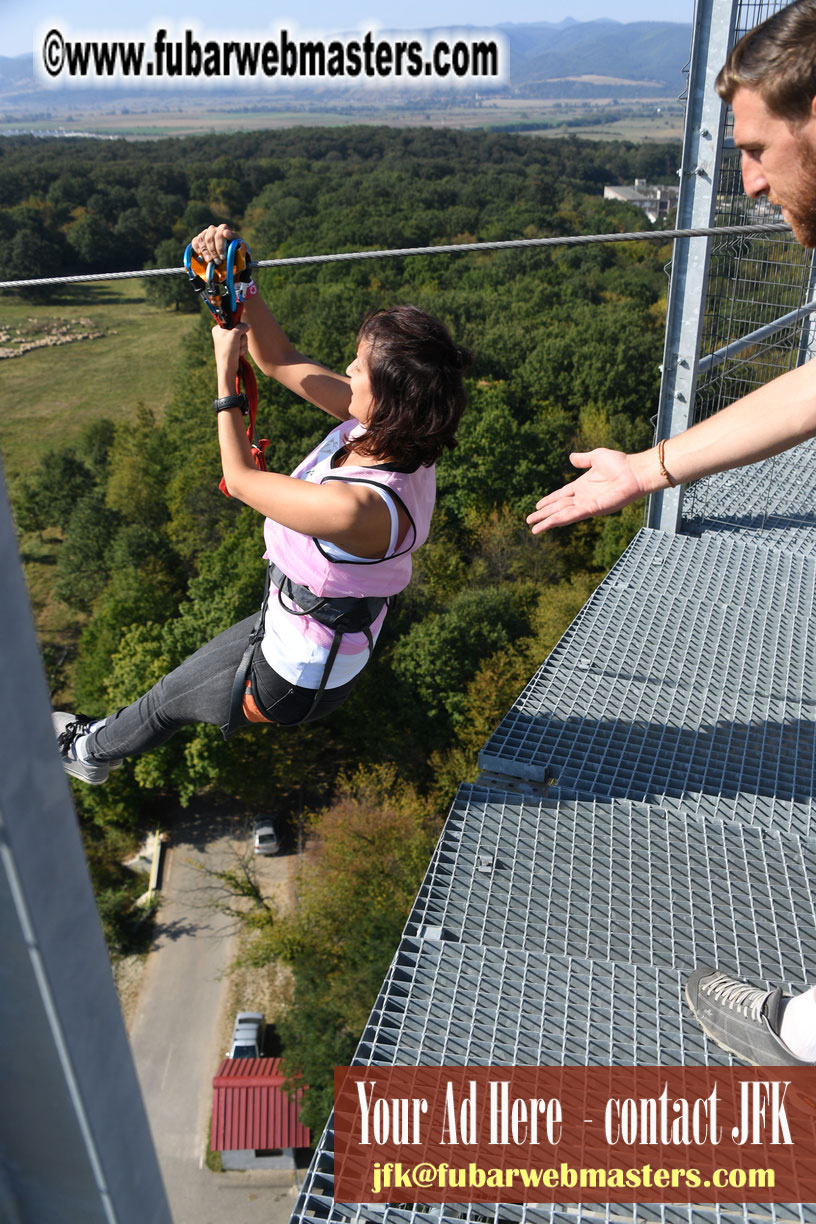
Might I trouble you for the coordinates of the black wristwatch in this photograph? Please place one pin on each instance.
(231, 401)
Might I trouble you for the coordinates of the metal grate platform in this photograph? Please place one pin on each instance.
(666, 748)
(667, 751)
(322, 1207)
(621, 882)
(641, 701)
(772, 503)
(550, 1011)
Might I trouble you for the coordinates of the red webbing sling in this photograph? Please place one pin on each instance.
(223, 287)
(245, 381)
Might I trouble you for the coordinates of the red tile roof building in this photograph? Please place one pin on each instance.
(250, 1109)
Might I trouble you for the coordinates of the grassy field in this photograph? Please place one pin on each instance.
(647, 128)
(58, 627)
(643, 122)
(49, 393)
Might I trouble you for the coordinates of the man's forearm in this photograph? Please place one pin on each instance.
(769, 420)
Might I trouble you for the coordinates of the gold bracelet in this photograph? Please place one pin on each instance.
(661, 459)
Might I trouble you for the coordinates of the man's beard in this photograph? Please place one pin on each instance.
(803, 225)
(800, 203)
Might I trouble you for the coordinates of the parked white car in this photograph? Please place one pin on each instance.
(246, 1036)
(266, 839)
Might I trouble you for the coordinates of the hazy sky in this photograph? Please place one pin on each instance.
(21, 21)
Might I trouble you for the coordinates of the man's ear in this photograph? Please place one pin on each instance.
(813, 108)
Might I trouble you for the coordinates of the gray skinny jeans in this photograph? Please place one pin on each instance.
(199, 691)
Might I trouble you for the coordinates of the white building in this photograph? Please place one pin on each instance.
(655, 200)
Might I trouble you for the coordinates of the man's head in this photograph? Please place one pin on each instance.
(777, 58)
(770, 80)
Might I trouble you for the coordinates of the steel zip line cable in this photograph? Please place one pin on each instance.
(453, 249)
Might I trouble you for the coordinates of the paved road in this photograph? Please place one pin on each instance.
(175, 1036)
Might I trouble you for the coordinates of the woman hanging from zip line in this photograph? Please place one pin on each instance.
(339, 531)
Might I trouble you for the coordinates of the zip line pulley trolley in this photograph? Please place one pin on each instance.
(223, 288)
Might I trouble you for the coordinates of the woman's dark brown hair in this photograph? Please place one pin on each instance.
(415, 371)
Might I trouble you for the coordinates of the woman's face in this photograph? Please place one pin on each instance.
(362, 399)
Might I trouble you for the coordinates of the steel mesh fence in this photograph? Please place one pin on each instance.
(753, 281)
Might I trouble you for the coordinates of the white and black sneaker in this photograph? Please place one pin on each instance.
(69, 728)
(743, 1020)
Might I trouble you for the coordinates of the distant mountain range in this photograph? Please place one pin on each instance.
(608, 59)
(640, 55)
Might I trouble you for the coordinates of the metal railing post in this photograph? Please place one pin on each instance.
(700, 168)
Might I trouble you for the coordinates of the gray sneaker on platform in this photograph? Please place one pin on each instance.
(742, 1019)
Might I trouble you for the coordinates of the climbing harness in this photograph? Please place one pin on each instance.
(223, 288)
(341, 614)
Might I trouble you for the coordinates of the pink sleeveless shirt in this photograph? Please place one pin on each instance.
(304, 560)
